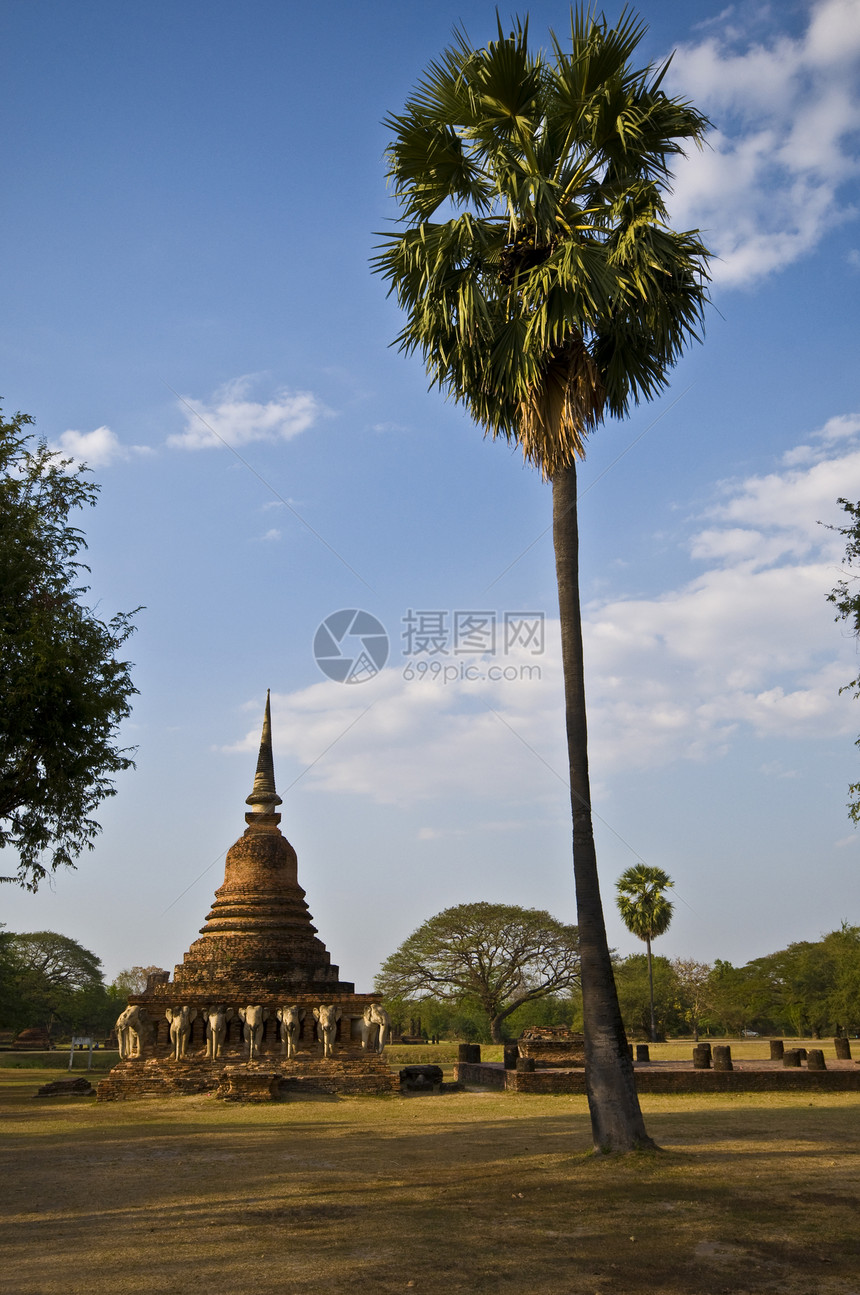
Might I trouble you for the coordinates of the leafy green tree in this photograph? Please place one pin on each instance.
(843, 948)
(552, 1010)
(846, 596)
(650, 997)
(132, 980)
(498, 956)
(739, 998)
(693, 980)
(815, 985)
(645, 911)
(800, 978)
(54, 979)
(430, 1017)
(9, 1013)
(550, 292)
(63, 689)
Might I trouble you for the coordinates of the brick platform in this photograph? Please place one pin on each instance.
(668, 1077)
(363, 1075)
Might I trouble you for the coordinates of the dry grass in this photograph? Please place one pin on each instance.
(462, 1194)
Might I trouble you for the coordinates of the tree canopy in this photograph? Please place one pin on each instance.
(645, 911)
(498, 956)
(63, 688)
(810, 988)
(644, 908)
(50, 979)
(554, 291)
(132, 980)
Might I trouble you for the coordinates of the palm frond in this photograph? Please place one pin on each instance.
(558, 293)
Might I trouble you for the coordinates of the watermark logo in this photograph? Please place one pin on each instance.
(351, 646)
(471, 633)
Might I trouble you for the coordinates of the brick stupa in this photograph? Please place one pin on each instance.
(257, 950)
(259, 938)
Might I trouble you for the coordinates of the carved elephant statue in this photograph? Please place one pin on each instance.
(216, 1019)
(180, 1019)
(291, 1019)
(369, 1031)
(380, 1018)
(130, 1028)
(327, 1018)
(253, 1018)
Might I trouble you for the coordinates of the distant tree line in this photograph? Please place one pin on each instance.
(51, 982)
(809, 989)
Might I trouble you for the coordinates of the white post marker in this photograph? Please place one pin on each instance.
(81, 1042)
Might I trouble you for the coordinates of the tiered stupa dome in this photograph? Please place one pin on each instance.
(258, 938)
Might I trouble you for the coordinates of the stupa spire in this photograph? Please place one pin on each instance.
(264, 799)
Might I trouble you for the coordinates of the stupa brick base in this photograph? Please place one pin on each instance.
(258, 951)
(357, 1074)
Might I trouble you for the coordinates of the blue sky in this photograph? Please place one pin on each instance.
(191, 198)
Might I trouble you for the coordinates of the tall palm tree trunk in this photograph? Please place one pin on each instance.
(651, 989)
(616, 1119)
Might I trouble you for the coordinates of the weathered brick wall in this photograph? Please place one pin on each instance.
(366, 1075)
(482, 1074)
(552, 1053)
(489, 1075)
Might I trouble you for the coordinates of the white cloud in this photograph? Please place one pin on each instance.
(97, 448)
(839, 428)
(233, 419)
(787, 112)
(744, 649)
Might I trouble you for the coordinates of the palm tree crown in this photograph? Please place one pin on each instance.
(646, 912)
(553, 291)
(644, 909)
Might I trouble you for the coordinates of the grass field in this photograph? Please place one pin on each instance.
(463, 1193)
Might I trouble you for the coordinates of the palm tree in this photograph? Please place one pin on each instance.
(646, 912)
(549, 293)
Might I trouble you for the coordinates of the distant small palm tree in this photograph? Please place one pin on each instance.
(646, 912)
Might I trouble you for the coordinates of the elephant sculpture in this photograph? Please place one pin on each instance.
(130, 1028)
(291, 1019)
(253, 1018)
(327, 1019)
(369, 1031)
(216, 1019)
(375, 1028)
(180, 1019)
(380, 1018)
